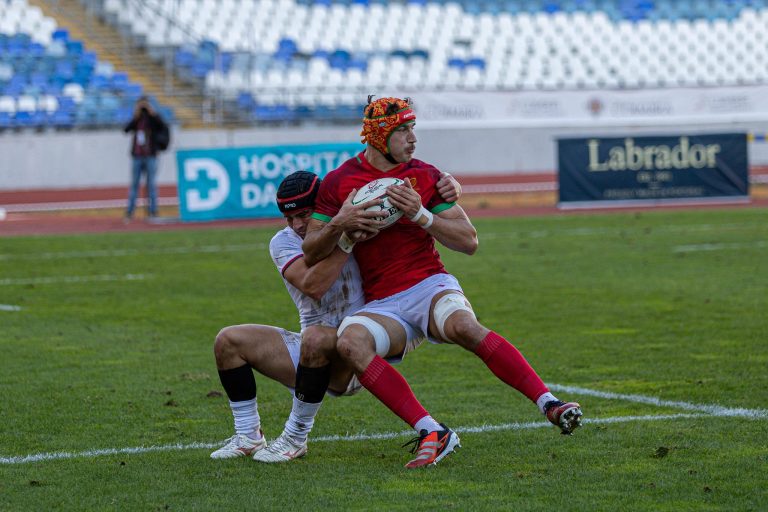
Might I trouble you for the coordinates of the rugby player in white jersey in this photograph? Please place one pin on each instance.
(324, 294)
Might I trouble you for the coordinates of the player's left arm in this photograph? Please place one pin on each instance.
(448, 188)
(451, 227)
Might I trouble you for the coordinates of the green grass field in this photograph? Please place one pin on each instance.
(657, 322)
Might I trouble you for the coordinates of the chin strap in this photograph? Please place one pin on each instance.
(390, 159)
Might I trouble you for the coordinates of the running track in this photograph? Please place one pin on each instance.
(31, 212)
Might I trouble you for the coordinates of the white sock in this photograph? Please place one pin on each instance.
(301, 419)
(247, 419)
(427, 423)
(543, 399)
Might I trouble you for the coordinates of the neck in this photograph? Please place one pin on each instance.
(377, 159)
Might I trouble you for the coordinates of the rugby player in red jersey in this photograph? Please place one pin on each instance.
(408, 292)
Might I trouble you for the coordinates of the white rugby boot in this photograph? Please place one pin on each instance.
(282, 449)
(240, 445)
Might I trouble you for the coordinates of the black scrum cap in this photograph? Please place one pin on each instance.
(298, 191)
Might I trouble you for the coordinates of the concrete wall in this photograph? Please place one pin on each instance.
(100, 159)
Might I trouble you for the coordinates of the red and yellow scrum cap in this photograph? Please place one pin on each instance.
(381, 117)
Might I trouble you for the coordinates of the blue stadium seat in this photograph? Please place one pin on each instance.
(124, 114)
(184, 58)
(245, 101)
(60, 34)
(75, 47)
(6, 121)
(62, 119)
(133, 91)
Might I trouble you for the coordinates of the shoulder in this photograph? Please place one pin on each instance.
(284, 239)
(342, 171)
(423, 166)
(426, 174)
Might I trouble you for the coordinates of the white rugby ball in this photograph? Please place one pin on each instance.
(377, 189)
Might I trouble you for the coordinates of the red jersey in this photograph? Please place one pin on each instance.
(401, 255)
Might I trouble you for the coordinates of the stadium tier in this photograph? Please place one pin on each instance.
(290, 60)
(279, 60)
(48, 79)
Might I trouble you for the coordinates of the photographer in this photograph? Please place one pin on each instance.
(150, 135)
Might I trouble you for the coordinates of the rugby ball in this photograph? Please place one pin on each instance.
(377, 189)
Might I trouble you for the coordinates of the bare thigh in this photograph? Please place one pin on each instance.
(262, 347)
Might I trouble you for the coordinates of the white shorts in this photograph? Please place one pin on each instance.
(292, 342)
(411, 307)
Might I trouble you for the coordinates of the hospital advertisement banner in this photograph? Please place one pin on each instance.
(627, 171)
(241, 183)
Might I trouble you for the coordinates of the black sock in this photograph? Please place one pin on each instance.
(239, 383)
(312, 383)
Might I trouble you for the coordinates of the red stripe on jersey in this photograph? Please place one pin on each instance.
(289, 262)
(402, 255)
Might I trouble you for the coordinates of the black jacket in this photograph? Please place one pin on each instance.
(156, 124)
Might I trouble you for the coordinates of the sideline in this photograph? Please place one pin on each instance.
(72, 279)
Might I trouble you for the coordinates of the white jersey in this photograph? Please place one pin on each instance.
(343, 298)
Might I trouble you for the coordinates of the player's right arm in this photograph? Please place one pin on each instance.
(323, 233)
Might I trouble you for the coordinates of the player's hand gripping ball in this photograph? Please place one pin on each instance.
(377, 189)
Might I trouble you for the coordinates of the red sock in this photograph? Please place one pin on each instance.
(509, 365)
(386, 384)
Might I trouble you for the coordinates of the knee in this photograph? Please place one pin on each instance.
(351, 344)
(224, 342)
(317, 341)
(465, 330)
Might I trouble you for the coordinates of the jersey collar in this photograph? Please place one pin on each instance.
(368, 167)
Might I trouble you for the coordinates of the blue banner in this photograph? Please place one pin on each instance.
(239, 183)
(637, 170)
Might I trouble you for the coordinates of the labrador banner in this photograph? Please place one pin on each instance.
(240, 183)
(641, 170)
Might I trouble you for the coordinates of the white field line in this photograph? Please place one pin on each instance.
(708, 409)
(760, 244)
(9, 307)
(41, 457)
(699, 411)
(72, 279)
(489, 235)
(112, 253)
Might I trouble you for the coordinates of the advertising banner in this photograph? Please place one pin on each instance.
(240, 183)
(636, 170)
(593, 107)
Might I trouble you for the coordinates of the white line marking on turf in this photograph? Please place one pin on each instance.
(9, 307)
(711, 410)
(111, 253)
(40, 457)
(719, 247)
(72, 279)
(701, 411)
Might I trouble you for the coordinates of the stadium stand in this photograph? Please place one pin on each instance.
(279, 60)
(49, 80)
(268, 61)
